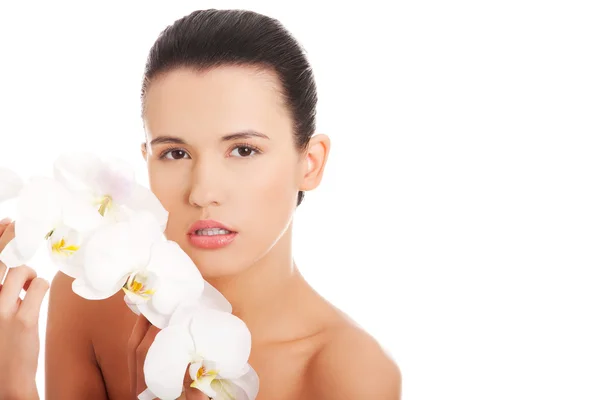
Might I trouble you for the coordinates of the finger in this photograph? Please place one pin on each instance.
(191, 393)
(16, 278)
(30, 307)
(25, 288)
(4, 224)
(137, 334)
(7, 235)
(141, 353)
(3, 269)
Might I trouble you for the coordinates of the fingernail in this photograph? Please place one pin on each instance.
(5, 221)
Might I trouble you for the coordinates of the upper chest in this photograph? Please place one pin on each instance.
(282, 368)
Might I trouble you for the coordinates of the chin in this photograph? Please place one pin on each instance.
(216, 264)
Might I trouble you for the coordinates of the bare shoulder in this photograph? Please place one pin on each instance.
(350, 365)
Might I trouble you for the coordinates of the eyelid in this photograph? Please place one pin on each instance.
(248, 145)
(166, 151)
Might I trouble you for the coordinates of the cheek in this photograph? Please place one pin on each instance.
(168, 184)
(271, 194)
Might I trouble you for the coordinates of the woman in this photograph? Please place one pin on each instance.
(229, 103)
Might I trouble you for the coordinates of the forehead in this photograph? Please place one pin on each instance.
(230, 98)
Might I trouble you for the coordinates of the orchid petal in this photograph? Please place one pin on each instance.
(29, 236)
(11, 257)
(141, 302)
(82, 289)
(193, 370)
(76, 170)
(64, 246)
(246, 386)
(167, 361)
(119, 214)
(156, 318)
(114, 177)
(145, 228)
(222, 338)
(41, 200)
(72, 266)
(225, 390)
(180, 278)
(203, 385)
(112, 253)
(142, 198)
(96, 180)
(182, 315)
(212, 298)
(80, 214)
(146, 395)
(116, 251)
(132, 306)
(10, 184)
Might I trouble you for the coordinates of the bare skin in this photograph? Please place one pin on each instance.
(302, 346)
(19, 339)
(289, 370)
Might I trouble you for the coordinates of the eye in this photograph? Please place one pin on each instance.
(174, 154)
(245, 151)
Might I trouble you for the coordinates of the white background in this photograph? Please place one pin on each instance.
(459, 218)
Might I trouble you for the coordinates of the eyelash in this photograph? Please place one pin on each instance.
(237, 146)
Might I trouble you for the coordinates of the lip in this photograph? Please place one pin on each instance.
(210, 242)
(208, 224)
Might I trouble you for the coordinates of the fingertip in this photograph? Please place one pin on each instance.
(142, 318)
(153, 331)
(45, 284)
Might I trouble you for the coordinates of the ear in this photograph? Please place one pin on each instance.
(314, 162)
(144, 151)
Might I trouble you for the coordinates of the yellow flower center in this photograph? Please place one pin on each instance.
(136, 284)
(62, 248)
(105, 203)
(203, 376)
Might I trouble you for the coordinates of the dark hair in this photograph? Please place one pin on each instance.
(210, 38)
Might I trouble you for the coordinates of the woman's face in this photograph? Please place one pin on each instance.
(208, 160)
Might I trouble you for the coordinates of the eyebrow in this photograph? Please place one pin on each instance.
(227, 138)
(244, 135)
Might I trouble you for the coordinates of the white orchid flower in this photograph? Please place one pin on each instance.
(109, 185)
(216, 346)
(10, 184)
(245, 387)
(47, 212)
(211, 298)
(155, 274)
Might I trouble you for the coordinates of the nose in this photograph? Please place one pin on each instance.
(207, 185)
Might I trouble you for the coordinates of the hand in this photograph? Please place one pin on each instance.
(141, 338)
(19, 336)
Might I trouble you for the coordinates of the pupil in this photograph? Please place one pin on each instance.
(245, 150)
(178, 154)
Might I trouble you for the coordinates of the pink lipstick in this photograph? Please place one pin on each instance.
(209, 234)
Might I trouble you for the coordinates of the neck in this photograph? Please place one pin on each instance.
(263, 294)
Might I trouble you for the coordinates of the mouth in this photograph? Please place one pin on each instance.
(209, 234)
